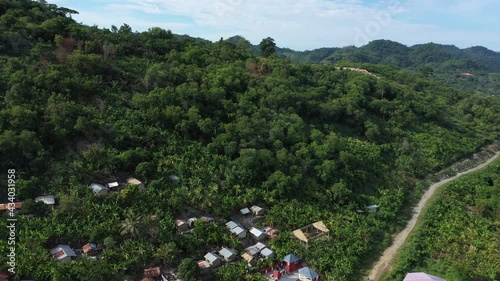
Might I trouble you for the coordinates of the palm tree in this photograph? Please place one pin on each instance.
(130, 226)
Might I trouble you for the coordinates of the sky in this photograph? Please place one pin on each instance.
(305, 24)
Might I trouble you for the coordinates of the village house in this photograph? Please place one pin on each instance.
(181, 225)
(134, 181)
(99, 189)
(267, 253)
(256, 210)
(292, 262)
(250, 259)
(236, 229)
(204, 266)
(245, 211)
(271, 232)
(307, 274)
(63, 253)
(152, 272)
(213, 259)
(258, 234)
(89, 249)
(228, 254)
(372, 208)
(47, 199)
(421, 276)
(113, 184)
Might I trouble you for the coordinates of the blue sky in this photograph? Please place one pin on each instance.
(306, 24)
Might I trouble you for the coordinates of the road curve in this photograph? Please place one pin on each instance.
(390, 252)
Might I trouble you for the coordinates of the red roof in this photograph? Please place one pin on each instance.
(152, 272)
(58, 254)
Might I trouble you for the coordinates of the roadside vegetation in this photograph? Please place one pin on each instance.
(457, 237)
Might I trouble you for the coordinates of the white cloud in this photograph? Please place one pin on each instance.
(297, 24)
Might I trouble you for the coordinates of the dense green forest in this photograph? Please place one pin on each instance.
(308, 142)
(464, 217)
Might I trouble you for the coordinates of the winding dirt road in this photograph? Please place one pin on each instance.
(390, 252)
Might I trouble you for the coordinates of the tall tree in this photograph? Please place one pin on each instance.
(267, 47)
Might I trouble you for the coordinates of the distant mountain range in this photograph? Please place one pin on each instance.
(475, 68)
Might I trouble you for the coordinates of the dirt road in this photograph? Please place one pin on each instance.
(389, 253)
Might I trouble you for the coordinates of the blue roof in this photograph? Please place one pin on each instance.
(307, 272)
(291, 258)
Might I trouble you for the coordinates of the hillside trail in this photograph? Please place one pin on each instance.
(390, 252)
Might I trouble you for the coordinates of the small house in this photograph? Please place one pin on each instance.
(250, 259)
(228, 254)
(134, 181)
(232, 224)
(113, 184)
(271, 232)
(239, 232)
(245, 211)
(181, 225)
(99, 189)
(267, 253)
(152, 272)
(421, 276)
(47, 199)
(213, 259)
(89, 249)
(292, 262)
(256, 210)
(258, 234)
(63, 253)
(204, 266)
(173, 177)
(372, 208)
(307, 274)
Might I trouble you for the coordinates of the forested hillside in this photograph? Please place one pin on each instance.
(209, 128)
(476, 68)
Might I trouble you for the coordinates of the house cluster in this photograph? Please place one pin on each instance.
(186, 226)
(65, 253)
(290, 268)
(102, 190)
(214, 260)
(257, 252)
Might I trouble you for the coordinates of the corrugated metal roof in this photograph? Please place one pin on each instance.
(47, 199)
(257, 232)
(227, 253)
(203, 264)
(266, 252)
(291, 258)
(62, 251)
(245, 211)
(89, 247)
(307, 272)
(231, 224)
(211, 257)
(152, 272)
(238, 230)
